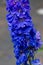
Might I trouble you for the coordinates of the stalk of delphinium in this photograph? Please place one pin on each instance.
(25, 37)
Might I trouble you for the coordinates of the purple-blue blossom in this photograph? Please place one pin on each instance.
(36, 62)
(25, 37)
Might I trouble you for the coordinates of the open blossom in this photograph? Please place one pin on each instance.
(38, 35)
(23, 33)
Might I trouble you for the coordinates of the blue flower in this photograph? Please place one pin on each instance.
(36, 62)
(17, 52)
(22, 59)
(25, 38)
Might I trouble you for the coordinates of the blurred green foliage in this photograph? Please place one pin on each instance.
(41, 49)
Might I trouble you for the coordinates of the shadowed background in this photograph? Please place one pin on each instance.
(6, 46)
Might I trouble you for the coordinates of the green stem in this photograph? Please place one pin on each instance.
(30, 61)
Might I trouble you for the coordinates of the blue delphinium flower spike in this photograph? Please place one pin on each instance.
(25, 37)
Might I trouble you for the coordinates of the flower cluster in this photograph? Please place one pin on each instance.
(25, 37)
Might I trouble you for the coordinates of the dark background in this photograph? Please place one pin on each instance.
(6, 46)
